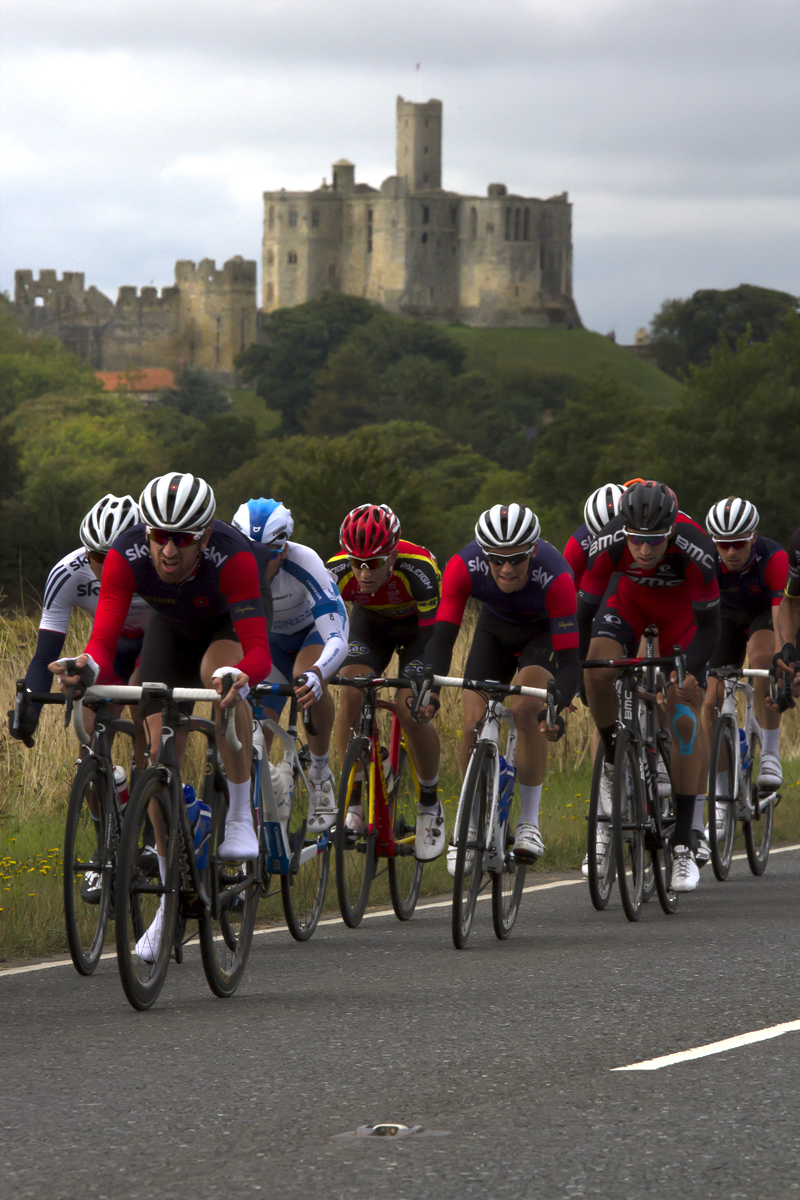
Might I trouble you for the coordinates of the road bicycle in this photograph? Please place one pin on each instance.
(642, 821)
(92, 830)
(301, 861)
(487, 813)
(389, 809)
(733, 793)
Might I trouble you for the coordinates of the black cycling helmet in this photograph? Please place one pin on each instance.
(648, 506)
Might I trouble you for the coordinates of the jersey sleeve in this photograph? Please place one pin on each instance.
(117, 587)
(793, 578)
(561, 603)
(573, 553)
(776, 574)
(240, 585)
(57, 604)
(456, 590)
(423, 579)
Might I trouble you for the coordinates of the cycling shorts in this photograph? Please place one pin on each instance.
(375, 638)
(173, 657)
(284, 648)
(499, 648)
(627, 609)
(127, 656)
(737, 628)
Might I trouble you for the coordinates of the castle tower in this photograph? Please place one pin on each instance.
(419, 143)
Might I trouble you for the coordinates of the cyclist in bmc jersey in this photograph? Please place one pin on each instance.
(788, 621)
(751, 572)
(308, 633)
(601, 507)
(526, 633)
(74, 582)
(393, 586)
(653, 565)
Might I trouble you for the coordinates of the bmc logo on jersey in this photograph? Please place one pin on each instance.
(214, 556)
(134, 552)
(478, 564)
(540, 576)
(695, 552)
(607, 539)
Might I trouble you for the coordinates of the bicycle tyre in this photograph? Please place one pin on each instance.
(600, 882)
(724, 749)
(405, 871)
(509, 881)
(466, 879)
(226, 933)
(303, 893)
(138, 896)
(354, 853)
(628, 826)
(757, 834)
(87, 838)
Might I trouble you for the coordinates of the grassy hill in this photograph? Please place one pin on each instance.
(569, 351)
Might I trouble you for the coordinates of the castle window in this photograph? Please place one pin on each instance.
(516, 224)
(335, 180)
(454, 216)
(241, 331)
(270, 258)
(426, 215)
(424, 238)
(315, 218)
(541, 258)
(508, 224)
(473, 224)
(369, 231)
(270, 293)
(516, 291)
(424, 178)
(526, 226)
(426, 122)
(332, 270)
(38, 302)
(271, 216)
(490, 226)
(425, 150)
(431, 293)
(292, 218)
(292, 257)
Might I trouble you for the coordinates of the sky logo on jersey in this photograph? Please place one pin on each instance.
(540, 576)
(89, 589)
(478, 564)
(214, 556)
(134, 552)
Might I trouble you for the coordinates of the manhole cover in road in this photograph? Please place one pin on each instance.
(392, 1129)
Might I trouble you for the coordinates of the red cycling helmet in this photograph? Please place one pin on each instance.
(369, 530)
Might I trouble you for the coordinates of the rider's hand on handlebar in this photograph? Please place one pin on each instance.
(308, 688)
(85, 675)
(426, 715)
(241, 686)
(553, 733)
(691, 693)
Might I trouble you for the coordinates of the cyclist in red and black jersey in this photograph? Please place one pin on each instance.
(393, 586)
(788, 617)
(599, 509)
(526, 633)
(653, 565)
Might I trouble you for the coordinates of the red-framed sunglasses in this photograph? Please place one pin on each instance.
(739, 544)
(181, 537)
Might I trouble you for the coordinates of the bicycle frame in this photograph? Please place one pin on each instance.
(732, 680)
(488, 731)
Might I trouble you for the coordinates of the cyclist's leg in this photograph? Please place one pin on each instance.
(489, 658)
(425, 749)
(240, 838)
(535, 662)
(729, 651)
(617, 627)
(369, 653)
(760, 649)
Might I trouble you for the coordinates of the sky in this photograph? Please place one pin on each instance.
(137, 132)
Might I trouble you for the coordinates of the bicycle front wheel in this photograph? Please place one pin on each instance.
(147, 903)
(628, 825)
(226, 932)
(601, 868)
(721, 798)
(758, 832)
(354, 846)
(469, 842)
(303, 891)
(88, 865)
(508, 882)
(405, 872)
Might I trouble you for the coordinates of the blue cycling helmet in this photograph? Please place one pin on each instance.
(264, 521)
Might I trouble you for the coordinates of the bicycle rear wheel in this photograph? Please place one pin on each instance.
(354, 849)
(757, 833)
(144, 939)
(88, 865)
(628, 825)
(226, 933)
(303, 891)
(405, 872)
(507, 884)
(469, 842)
(721, 800)
(602, 870)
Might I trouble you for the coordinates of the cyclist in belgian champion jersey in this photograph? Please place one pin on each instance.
(393, 586)
(751, 572)
(653, 565)
(308, 633)
(74, 582)
(527, 633)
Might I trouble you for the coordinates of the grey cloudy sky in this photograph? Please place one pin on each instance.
(137, 132)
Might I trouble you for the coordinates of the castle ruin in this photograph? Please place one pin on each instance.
(417, 249)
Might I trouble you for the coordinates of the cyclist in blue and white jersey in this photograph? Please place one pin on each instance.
(309, 632)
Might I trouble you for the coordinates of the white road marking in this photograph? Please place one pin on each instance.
(744, 1039)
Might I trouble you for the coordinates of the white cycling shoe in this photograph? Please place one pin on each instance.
(770, 774)
(429, 837)
(240, 840)
(528, 844)
(469, 858)
(323, 801)
(602, 850)
(149, 943)
(685, 872)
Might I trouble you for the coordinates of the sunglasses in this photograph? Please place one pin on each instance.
(647, 539)
(739, 544)
(274, 552)
(513, 560)
(181, 537)
(96, 556)
(371, 564)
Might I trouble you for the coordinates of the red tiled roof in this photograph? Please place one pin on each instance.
(138, 379)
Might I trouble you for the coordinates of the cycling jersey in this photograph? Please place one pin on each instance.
(224, 586)
(759, 585)
(576, 551)
(546, 601)
(72, 584)
(412, 589)
(683, 584)
(793, 579)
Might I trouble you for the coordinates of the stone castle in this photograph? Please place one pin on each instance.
(410, 246)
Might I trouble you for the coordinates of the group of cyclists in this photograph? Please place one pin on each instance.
(181, 597)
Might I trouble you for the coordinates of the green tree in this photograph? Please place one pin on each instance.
(197, 393)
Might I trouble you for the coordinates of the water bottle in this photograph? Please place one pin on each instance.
(283, 787)
(121, 784)
(199, 815)
(388, 771)
(743, 749)
(507, 776)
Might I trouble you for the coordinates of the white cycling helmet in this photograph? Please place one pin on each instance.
(110, 517)
(732, 518)
(177, 502)
(264, 521)
(506, 527)
(601, 507)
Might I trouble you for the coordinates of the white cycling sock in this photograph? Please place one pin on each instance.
(722, 783)
(769, 741)
(699, 811)
(240, 807)
(319, 766)
(530, 798)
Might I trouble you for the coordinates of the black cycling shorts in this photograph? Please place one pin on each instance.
(374, 638)
(500, 649)
(737, 628)
(173, 657)
(127, 653)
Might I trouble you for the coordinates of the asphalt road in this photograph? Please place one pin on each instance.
(509, 1048)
